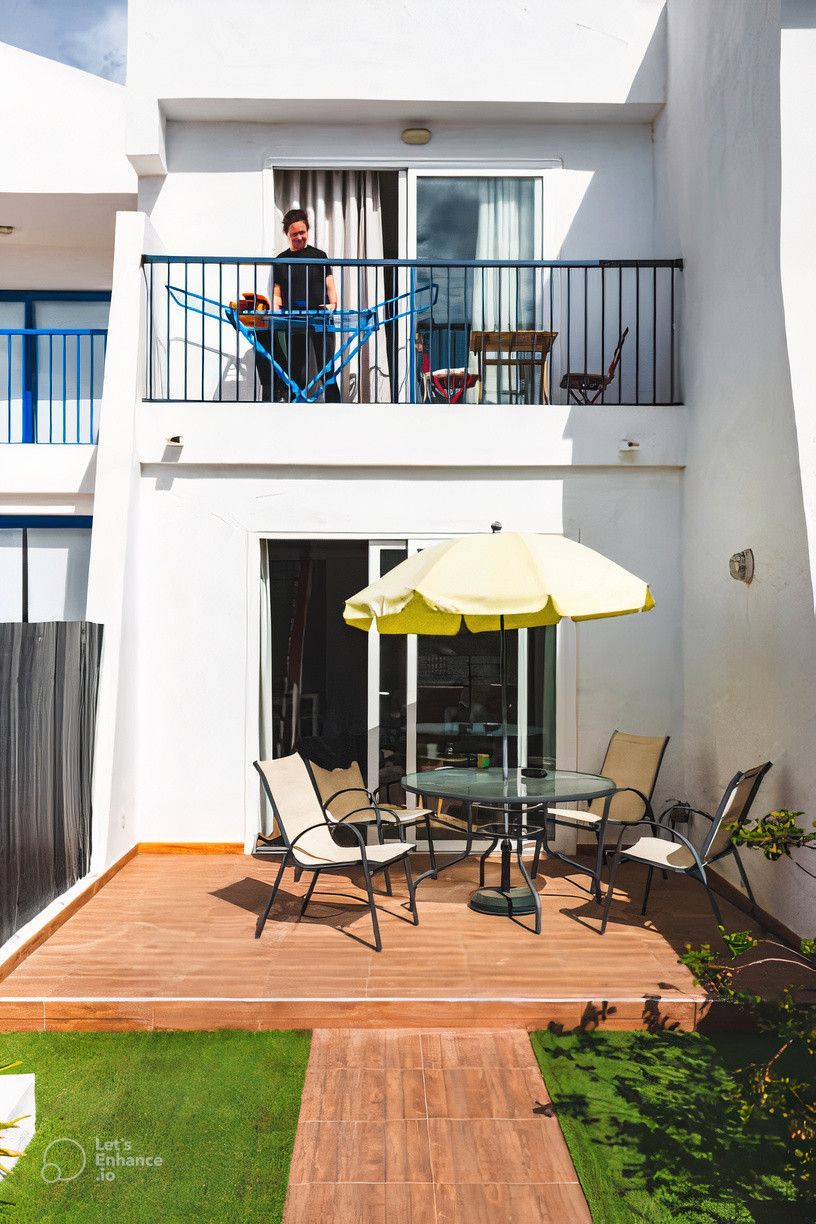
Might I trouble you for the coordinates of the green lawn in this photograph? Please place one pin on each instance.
(653, 1132)
(218, 1109)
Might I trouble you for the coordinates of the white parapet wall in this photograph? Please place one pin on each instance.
(533, 61)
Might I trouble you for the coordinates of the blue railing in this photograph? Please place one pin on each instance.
(489, 331)
(51, 383)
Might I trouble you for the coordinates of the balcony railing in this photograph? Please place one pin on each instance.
(412, 331)
(51, 383)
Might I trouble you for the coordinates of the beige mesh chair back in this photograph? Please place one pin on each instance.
(345, 797)
(310, 846)
(631, 761)
(733, 810)
(344, 791)
(297, 807)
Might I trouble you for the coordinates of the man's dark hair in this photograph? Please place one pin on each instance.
(293, 215)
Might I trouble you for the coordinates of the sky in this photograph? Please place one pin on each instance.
(89, 34)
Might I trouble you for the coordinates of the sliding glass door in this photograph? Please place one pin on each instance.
(436, 701)
(478, 217)
(394, 704)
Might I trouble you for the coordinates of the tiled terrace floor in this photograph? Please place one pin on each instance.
(169, 942)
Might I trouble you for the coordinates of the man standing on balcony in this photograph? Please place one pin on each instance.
(306, 287)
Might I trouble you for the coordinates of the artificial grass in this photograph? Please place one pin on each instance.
(654, 1133)
(220, 1110)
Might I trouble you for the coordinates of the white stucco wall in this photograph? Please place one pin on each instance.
(558, 50)
(798, 235)
(750, 651)
(63, 173)
(217, 200)
(196, 603)
(63, 129)
(559, 58)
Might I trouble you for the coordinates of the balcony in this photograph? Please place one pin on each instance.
(394, 331)
(51, 384)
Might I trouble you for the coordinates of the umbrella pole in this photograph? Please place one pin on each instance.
(503, 678)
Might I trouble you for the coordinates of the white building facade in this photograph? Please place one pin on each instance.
(639, 165)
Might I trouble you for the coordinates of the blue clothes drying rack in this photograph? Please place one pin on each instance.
(358, 326)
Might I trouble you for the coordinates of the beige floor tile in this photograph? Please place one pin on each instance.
(393, 1151)
(508, 1151)
(363, 1095)
(477, 1049)
(479, 1092)
(555, 1203)
(360, 1204)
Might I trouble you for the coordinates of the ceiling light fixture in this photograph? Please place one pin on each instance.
(415, 136)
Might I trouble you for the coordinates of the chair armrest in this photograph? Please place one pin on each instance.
(323, 824)
(347, 790)
(622, 790)
(380, 815)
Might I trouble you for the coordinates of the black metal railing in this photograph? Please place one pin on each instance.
(412, 331)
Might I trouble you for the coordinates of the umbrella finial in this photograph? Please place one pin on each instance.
(495, 527)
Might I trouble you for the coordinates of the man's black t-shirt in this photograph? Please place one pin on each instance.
(304, 285)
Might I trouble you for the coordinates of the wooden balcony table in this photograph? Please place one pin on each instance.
(524, 350)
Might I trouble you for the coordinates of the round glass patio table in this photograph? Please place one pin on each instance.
(486, 789)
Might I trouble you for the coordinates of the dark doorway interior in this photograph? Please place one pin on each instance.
(319, 664)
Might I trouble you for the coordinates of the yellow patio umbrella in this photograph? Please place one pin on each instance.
(505, 580)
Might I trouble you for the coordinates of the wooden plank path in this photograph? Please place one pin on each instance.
(429, 1127)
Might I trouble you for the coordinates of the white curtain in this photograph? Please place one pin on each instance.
(268, 827)
(505, 230)
(346, 222)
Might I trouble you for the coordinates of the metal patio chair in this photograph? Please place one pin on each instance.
(582, 387)
(347, 799)
(671, 851)
(308, 834)
(633, 763)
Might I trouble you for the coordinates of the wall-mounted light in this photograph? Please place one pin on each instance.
(174, 440)
(5, 230)
(741, 566)
(415, 136)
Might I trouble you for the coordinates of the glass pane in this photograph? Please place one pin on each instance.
(478, 219)
(12, 315)
(318, 663)
(393, 699)
(541, 655)
(58, 559)
(70, 371)
(11, 574)
(459, 701)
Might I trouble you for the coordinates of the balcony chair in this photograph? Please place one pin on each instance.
(671, 851)
(346, 799)
(633, 763)
(585, 388)
(308, 835)
(447, 385)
